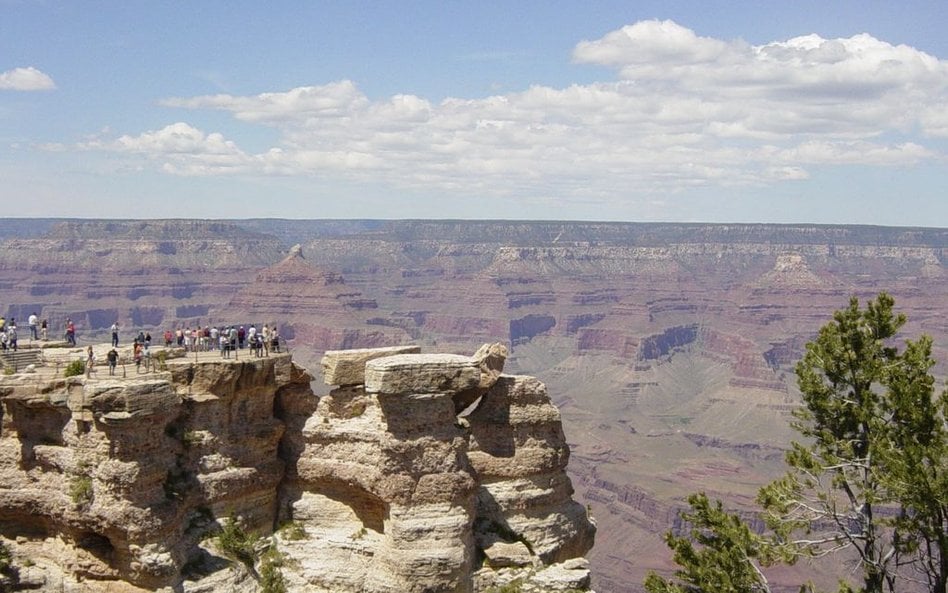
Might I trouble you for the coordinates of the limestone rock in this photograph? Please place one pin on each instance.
(347, 367)
(490, 359)
(119, 483)
(501, 553)
(421, 373)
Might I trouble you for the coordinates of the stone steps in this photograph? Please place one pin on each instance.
(21, 358)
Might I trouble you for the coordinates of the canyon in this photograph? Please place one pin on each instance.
(668, 348)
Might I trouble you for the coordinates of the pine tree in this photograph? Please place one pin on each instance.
(871, 475)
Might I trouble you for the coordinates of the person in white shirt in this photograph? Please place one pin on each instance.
(33, 322)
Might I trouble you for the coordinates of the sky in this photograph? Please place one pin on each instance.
(830, 112)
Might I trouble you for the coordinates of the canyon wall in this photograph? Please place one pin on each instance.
(668, 348)
(129, 482)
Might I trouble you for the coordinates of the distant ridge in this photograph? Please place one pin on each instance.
(292, 231)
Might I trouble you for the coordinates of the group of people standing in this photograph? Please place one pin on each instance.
(9, 334)
(226, 339)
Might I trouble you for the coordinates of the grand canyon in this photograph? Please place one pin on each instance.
(669, 349)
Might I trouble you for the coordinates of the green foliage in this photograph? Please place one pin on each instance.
(6, 558)
(237, 544)
(75, 368)
(271, 577)
(293, 531)
(515, 586)
(720, 554)
(162, 360)
(192, 437)
(80, 491)
(871, 475)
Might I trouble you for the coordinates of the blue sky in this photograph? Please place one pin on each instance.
(823, 112)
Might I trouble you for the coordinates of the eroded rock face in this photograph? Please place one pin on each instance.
(120, 483)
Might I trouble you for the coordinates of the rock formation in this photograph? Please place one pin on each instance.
(124, 483)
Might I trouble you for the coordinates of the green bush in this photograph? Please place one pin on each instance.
(6, 558)
(293, 531)
(162, 357)
(238, 544)
(192, 437)
(75, 368)
(80, 491)
(515, 586)
(271, 577)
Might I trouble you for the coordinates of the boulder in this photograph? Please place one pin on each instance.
(490, 359)
(347, 367)
(421, 373)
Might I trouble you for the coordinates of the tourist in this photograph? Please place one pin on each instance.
(274, 339)
(223, 346)
(169, 337)
(241, 336)
(44, 329)
(70, 332)
(215, 337)
(90, 361)
(114, 329)
(112, 358)
(137, 355)
(11, 335)
(33, 322)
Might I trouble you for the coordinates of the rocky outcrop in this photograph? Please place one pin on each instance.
(376, 487)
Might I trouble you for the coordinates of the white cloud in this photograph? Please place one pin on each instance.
(26, 79)
(685, 111)
(181, 149)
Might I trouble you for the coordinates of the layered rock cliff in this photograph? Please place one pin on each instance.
(143, 480)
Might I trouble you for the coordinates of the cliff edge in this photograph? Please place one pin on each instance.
(213, 474)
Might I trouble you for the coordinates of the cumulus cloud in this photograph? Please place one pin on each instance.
(181, 149)
(683, 111)
(26, 79)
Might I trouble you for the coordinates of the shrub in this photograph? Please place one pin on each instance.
(271, 577)
(6, 558)
(192, 437)
(238, 544)
(162, 358)
(75, 368)
(293, 531)
(80, 491)
(515, 586)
